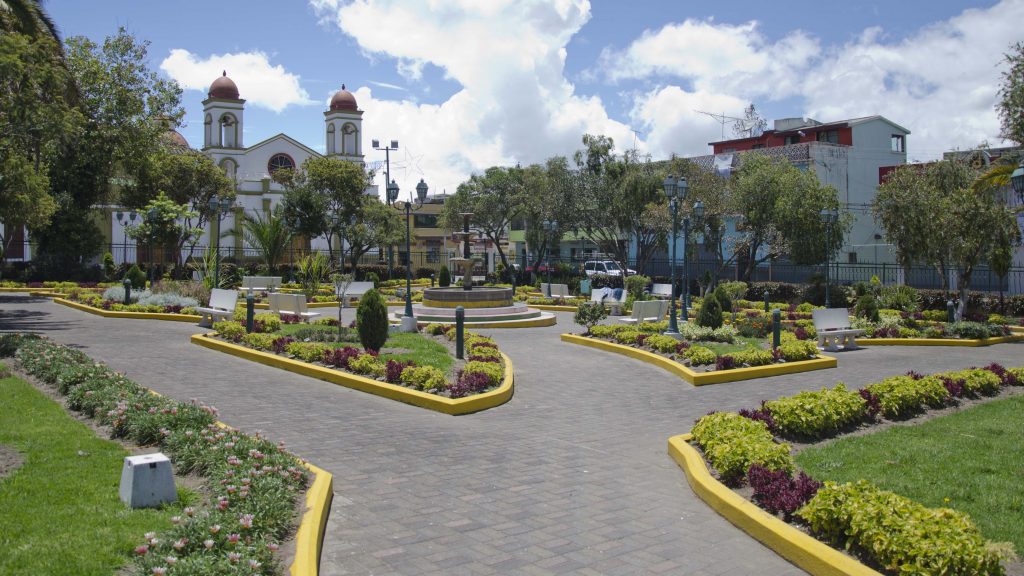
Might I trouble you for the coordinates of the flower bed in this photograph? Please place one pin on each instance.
(254, 484)
(885, 528)
(483, 371)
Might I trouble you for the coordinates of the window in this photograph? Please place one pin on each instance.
(830, 136)
(518, 224)
(728, 150)
(278, 161)
(425, 220)
(852, 256)
(791, 140)
(898, 143)
(756, 146)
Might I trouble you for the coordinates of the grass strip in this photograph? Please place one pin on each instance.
(61, 510)
(971, 461)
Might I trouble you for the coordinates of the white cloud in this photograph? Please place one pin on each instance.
(515, 103)
(259, 82)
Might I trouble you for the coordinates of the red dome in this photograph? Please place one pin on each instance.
(223, 87)
(174, 138)
(344, 100)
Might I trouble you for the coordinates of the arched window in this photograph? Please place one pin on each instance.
(278, 161)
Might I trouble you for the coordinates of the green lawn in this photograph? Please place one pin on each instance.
(972, 461)
(60, 512)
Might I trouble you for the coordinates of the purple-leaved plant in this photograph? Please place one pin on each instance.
(762, 414)
(874, 405)
(777, 492)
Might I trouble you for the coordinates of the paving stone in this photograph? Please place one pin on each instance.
(570, 476)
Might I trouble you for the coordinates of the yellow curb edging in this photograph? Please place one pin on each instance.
(799, 548)
(309, 540)
(553, 307)
(972, 343)
(131, 315)
(496, 397)
(24, 289)
(703, 378)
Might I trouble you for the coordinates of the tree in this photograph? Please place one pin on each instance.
(380, 225)
(1011, 95)
(269, 236)
(324, 188)
(493, 198)
(779, 207)
(24, 199)
(163, 225)
(905, 206)
(27, 17)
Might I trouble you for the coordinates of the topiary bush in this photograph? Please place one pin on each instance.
(372, 320)
(710, 313)
(444, 277)
(137, 277)
(724, 300)
(867, 308)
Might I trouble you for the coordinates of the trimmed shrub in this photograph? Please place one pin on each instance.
(904, 396)
(700, 356)
(444, 277)
(307, 351)
(899, 533)
(137, 278)
(495, 372)
(229, 330)
(724, 300)
(753, 357)
(259, 341)
(661, 343)
(777, 291)
(367, 365)
(710, 313)
(372, 320)
(266, 322)
(867, 308)
(813, 415)
(977, 381)
(424, 378)
(969, 330)
(589, 314)
(626, 336)
(733, 443)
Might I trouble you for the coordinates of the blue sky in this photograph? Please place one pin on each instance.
(464, 85)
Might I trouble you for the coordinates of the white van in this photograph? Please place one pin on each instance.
(607, 267)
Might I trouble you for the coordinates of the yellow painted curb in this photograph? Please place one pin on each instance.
(466, 305)
(131, 315)
(553, 307)
(1017, 329)
(496, 397)
(799, 548)
(309, 540)
(972, 343)
(703, 378)
(24, 289)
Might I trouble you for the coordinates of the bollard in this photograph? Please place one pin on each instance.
(950, 311)
(250, 312)
(127, 291)
(765, 301)
(460, 325)
(776, 327)
(432, 276)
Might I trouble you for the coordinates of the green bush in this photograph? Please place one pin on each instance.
(424, 378)
(977, 381)
(268, 322)
(589, 314)
(700, 356)
(494, 371)
(229, 330)
(108, 266)
(753, 357)
(903, 396)
(969, 330)
(724, 301)
(867, 308)
(484, 352)
(898, 533)
(259, 341)
(662, 343)
(626, 336)
(902, 298)
(444, 277)
(367, 365)
(372, 320)
(813, 415)
(732, 443)
(710, 313)
(137, 277)
(307, 351)
(797, 350)
(735, 290)
(636, 284)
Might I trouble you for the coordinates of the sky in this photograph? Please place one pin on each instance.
(464, 85)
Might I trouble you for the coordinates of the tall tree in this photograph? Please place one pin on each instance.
(321, 189)
(906, 205)
(493, 198)
(379, 225)
(163, 226)
(1011, 95)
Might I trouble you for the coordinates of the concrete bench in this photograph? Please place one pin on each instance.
(833, 326)
(558, 291)
(356, 290)
(646, 311)
(261, 283)
(661, 291)
(222, 307)
(292, 304)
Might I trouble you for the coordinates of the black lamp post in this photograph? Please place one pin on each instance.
(292, 223)
(131, 216)
(549, 233)
(409, 321)
(151, 215)
(388, 198)
(828, 216)
(698, 217)
(675, 191)
(219, 208)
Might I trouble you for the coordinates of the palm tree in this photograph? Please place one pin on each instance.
(27, 17)
(268, 235)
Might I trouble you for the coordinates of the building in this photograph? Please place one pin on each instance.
(250, 167)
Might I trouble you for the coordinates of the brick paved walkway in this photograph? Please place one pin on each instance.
(571, 476)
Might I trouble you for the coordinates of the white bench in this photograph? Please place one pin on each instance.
(661, 291)
(261, 283)
(222, 307)
(292, 304)
(646, 311)
(833, 326)
(357, 289)
(558, 291)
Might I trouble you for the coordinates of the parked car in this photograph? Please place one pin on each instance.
(608, 267)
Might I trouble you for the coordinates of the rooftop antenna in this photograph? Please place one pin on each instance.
(722, 119)
(635, 132)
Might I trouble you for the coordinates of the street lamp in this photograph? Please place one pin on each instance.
(151, 215)
(698, 217)
(388, 198)
(219, 207)
(828, 216)
(131, 216)
(408, 320)
(549, 233)
(675, 191)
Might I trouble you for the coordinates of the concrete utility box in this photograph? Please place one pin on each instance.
(147, 481)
